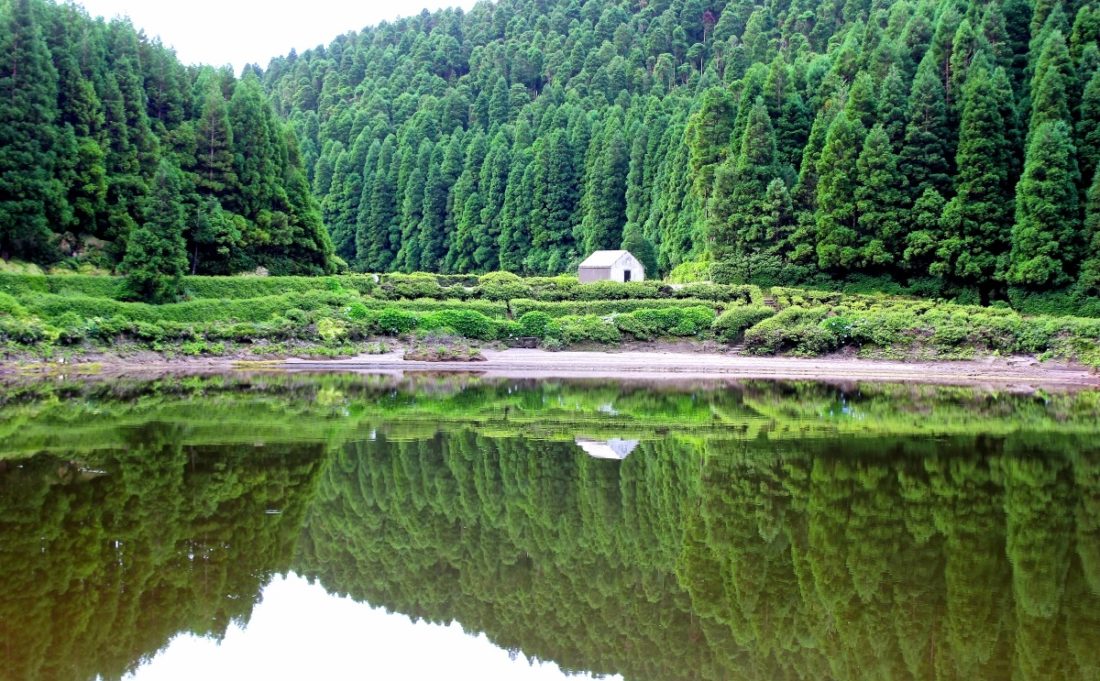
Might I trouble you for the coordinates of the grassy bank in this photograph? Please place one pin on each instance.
(52, 316)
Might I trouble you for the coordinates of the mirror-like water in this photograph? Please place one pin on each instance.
(754, 531)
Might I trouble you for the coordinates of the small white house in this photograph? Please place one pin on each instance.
(611, 266)
(607, 449)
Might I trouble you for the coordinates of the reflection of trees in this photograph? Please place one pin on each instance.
(101, 570)
(765, 532)
(873, 558)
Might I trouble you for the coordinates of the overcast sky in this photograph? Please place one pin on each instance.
(240, 32)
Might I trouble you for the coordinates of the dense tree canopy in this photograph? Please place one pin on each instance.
(522, 134)
(90, 109)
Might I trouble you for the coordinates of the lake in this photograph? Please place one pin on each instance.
(284, 526)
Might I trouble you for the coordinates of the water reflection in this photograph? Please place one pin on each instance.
(760, 531)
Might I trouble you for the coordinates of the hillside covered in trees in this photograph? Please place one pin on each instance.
(109, 144)
(951, 142)
(947, 146)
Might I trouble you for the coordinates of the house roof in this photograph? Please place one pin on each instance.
(604, 258)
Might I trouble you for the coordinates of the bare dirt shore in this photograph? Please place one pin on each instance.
(1016, 372)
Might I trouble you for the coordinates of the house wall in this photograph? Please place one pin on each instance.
(618, 270)
(614, 273)
(589, 274)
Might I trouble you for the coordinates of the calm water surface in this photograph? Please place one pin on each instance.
(351, 526)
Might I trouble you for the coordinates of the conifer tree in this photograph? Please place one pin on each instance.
(156, 253)
(737, 201)
(1088, 126)
(1088, 284)
(975, 239)
(30, 195)
(214, 148)
(838, 247)
(923, 155)
(642, 248)
(880, 199)
(1046, 241)
(708, 137)
(1050, 86)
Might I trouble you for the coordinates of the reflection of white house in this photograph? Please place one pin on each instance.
(607, 449)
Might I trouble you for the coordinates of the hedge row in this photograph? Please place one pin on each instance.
(947, 330)
(522, 306)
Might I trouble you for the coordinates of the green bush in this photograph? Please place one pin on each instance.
(10, 307)
(534, 324)
(647, 324)
(604, 307)
(732, 324)
(687, 272)
(466, 323)
(581, 329)
(393, 321)
(411, 286)
(502, 286)
(795, 329)
(331, 330)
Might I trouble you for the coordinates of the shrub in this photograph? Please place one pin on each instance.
(732, 324)
(331, 330)
(795, 328)
(466, 323)
(687, 272)
(394, 322)
(587, 328)
(357, 311)
(410, 286)
(534, 324)
(10, 307)
(502, 286)
(669, 321)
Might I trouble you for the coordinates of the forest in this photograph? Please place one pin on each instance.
(946, 147)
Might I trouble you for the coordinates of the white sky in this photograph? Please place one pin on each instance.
(301, 632)
(241, 32)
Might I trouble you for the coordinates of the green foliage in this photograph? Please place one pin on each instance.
(795, 329)
(1045, 239)
(730, 326)
(155, 253)
(650, 323)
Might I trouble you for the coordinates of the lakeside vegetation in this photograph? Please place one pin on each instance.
(53, 317)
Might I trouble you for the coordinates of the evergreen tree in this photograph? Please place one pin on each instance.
(30, 195)
(880, 201)
(737, 214)
(1088, 284)
(1046, 239)
(156, 254)
(975, 240)
(214, 148)
(838, 246)
(924, 153)
(1050, 86)
(1088, 126)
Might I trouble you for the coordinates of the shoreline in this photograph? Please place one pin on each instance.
(1020, 373)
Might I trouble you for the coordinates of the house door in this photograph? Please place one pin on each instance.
(626, 275)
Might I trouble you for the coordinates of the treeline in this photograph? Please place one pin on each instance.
(950, 146)
(112, 152)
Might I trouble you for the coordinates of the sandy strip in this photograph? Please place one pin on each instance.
(1014, 372)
